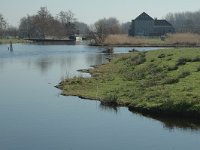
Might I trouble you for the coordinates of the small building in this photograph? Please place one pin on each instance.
(144, 25)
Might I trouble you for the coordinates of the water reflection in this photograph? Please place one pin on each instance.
(169, 123)
(66, 62)
(44, 64)
(104, 107)
(172, 123)
(36, 114)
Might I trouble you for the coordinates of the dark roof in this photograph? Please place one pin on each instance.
(162, 23)
(143, 16)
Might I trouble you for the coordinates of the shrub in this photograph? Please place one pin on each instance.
(161, 56)
(172, 68)
(184, 74)
(169, 54)
(198, 68)
(110, 99)
(170, 80)
(152, 60)
(138, 59)
(168, 59)
(148, 83)
(182, 61)
(139, 74)
(152, 69)
(195, 59)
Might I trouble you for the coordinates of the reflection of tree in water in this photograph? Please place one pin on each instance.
(44, 64)
(175, 122)
(1, 64)
(108, 108)
(95, 59)
(66, 61)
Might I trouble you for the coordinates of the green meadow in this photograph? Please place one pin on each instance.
(163, 82)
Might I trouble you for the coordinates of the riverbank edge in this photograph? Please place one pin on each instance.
(148, 45)
(145, 111)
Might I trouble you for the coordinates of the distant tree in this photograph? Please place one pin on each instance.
(185, 21)
(98, 31)
(112, 25)
(124, 27)
(43, 25)
(102, 28)
(43, 21)
(11, 31)
(3, 25)
(81, 27)
(28, 28)
(67, 19)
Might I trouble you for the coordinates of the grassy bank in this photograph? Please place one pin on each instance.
(178, 39)
(13, 40)
(158, 82)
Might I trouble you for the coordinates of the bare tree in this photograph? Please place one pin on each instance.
(26, 27)
(82, 27)
(3, 25)
(43, 24)
(11, 31)
(43, 21)
(102, 28)
(185, 21)
(124, 27)
(112, 25)
(66, 17)
(68, 21)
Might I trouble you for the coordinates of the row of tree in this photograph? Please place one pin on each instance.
(43, 25)
(185, 21)
(3, 25)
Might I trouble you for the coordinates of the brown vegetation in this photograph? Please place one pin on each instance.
(185, 39)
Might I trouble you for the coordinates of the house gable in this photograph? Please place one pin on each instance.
(144, 16)
(144, 25)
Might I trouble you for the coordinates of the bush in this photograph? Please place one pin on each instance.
(152, 69)
(139, 74)
(181, 61)
(172, 68)
(198, 68)
(138, 59)
(161, 56)
(196, 59)
(152, 60)
(170, 80)
(110, 99)
(184, 74)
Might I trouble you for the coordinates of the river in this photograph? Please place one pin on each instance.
(34, 116)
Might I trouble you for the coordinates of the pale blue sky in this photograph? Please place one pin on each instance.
(89, 11)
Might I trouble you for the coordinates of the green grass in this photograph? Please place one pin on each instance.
(163, 81)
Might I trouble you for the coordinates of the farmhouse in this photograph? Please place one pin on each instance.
(144, 25)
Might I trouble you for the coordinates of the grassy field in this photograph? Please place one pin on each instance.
(178, 39)
(13, 40)
(165, 81)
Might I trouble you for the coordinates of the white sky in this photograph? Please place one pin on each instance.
(89, 11)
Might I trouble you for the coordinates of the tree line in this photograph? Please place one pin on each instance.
(185, 21)
(44, 25)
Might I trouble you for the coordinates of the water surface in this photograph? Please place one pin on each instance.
(34, 116)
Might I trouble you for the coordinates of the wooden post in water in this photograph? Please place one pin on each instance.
(11, 47)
